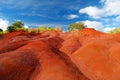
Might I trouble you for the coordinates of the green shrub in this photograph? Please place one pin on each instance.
(43, 29)
(117, 30)
(33, 30)
(76, 26)
(1, 30)
(11, 28)
(16, 26)
(58, 29)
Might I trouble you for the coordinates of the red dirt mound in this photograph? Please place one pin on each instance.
(84, 55)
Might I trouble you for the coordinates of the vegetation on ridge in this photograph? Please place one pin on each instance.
(18, 25)
(43, 29)
(76, 26)
(116, 30)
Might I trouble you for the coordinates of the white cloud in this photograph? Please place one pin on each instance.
(112, 7)
(97, 26)
(109, 8)
(93, 24)
(3, 24)
(108, 15)
(26, 26)
(93, 12)
(107, 29)
(72, 16)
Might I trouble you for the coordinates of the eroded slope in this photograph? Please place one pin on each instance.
(84, 55)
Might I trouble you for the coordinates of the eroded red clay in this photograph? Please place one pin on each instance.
(84, 55)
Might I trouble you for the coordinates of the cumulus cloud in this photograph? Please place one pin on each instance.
(107, 29)
(93, 24)
(26, 26)
(108, 15)
(97, 26)
(72, 16)
(3, 24)
(110, 8)
(93, 12)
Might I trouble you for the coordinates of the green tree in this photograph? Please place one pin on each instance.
(11, 28)
(18, 24)
(114, 31)
(1, 30)
(76, 26)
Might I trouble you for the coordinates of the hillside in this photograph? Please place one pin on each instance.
(85, 55)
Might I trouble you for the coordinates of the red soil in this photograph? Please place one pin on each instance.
(84, 55)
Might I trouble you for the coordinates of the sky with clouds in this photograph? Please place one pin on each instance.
(103, 15)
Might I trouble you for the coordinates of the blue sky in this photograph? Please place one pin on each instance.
(103, 15)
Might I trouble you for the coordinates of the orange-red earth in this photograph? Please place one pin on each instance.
(83, 55)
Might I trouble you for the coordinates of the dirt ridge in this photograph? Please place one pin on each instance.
(52, 55)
